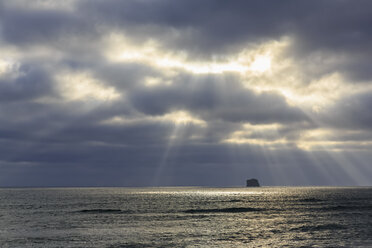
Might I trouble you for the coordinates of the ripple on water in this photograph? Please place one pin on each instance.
(104, 211)
(322, 227)
(223, 210)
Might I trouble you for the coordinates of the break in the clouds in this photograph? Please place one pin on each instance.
(164, 92)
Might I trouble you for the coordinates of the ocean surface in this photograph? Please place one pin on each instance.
(186, 217)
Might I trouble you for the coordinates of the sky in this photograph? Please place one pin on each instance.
(185, 93)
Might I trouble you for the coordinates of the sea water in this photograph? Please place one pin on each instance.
(186, 217)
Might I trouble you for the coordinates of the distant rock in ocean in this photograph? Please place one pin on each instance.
(253, 183)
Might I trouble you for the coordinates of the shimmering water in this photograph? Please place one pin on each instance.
(186, 217)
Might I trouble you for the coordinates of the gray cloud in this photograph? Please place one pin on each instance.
(24, 27)
(216, 98)
(29, 83)
(352, 112)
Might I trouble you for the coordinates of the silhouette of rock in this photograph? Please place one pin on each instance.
(253, 183)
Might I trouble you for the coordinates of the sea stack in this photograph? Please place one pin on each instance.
(253, 183)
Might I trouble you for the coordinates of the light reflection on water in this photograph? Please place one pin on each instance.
(186, 217)
(198, 191)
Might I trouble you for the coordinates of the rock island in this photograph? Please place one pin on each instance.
(253, 183)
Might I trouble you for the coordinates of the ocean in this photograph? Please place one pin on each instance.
(186, 217)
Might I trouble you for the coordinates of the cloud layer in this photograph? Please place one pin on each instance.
(143, 93)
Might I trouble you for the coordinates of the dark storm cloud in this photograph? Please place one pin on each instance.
(353, 112)
(203, 29)
(22, 26)
(124, 76)
(213, 97)
(30, 82)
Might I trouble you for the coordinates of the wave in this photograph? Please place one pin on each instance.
(233, 200)
(222, 210)
(310, 200)
(103, 211)
(307, 228)
(348, 207)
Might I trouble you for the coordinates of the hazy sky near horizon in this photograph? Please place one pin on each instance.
(166, 92)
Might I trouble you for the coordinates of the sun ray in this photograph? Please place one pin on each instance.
(173, 140)
(179, 122)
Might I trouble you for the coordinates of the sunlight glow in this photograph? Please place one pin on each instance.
(311, 95)
(250, 60)
(153, 82)
(325, 139)
(201, 68)
(82, 86)
(261, 64)
(179, 118)
(263, 135)
(270, 144)
(183, 118)
(9, 68)
(5, 66)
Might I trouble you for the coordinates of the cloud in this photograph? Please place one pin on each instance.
(26, 82)
(178, 93)
(24, 26)
(352, 112)
(216, 98)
